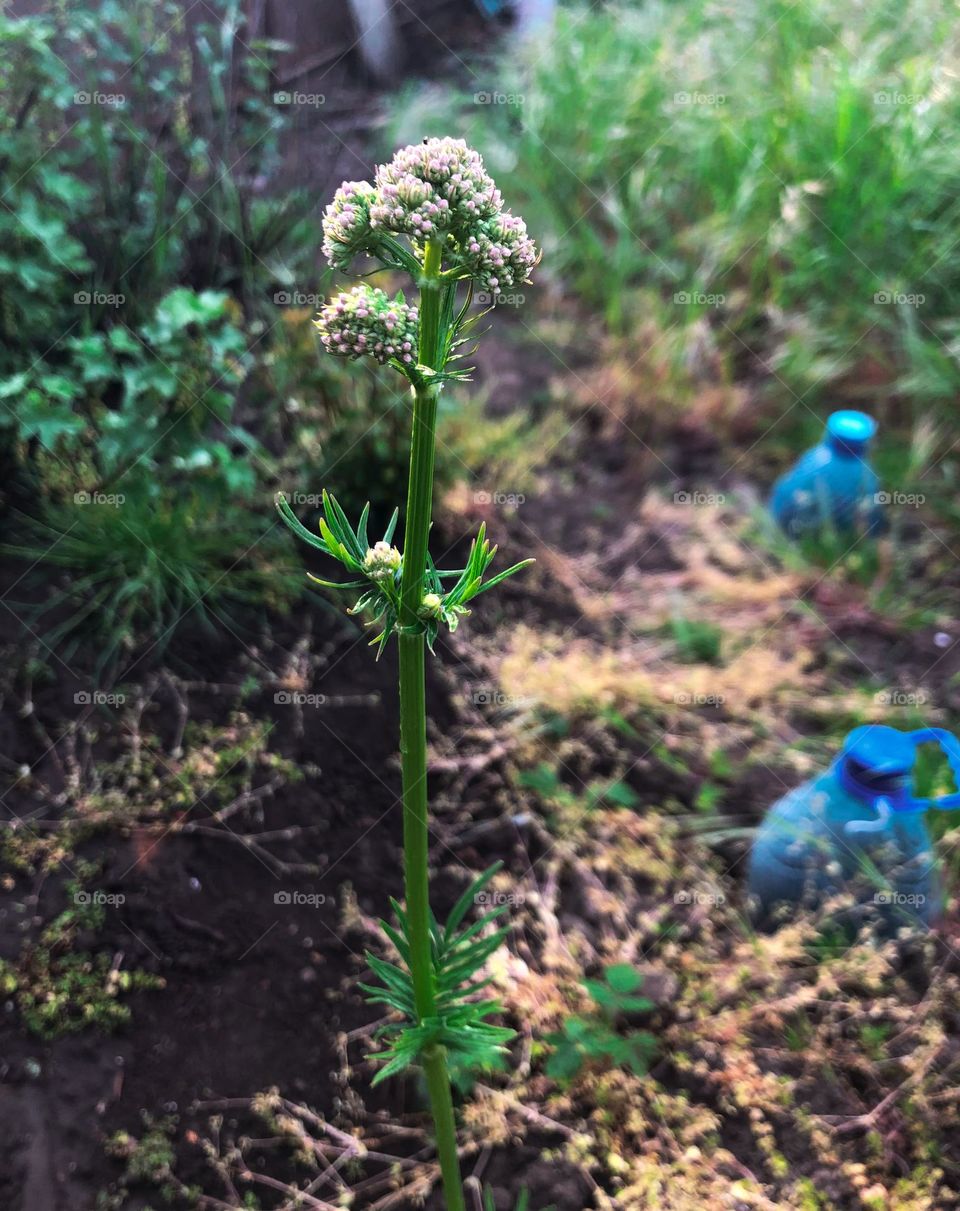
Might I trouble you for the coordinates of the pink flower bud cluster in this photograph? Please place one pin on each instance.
(499, 253)
(437, 190)
(436, 186)
(368, 321)
(346, 222)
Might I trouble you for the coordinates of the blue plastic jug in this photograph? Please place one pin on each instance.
(832, 485)
(856, 828)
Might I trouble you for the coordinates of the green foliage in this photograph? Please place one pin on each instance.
(59, 990)
(147, 1160)
(594, 1040)
(128, 401)
(141, 570)
(145, 418)
(380, 585)
(874, 1037)
(797, 199)
(41, 259)
(697, 642)
(135, 150)
(545, 780)
(459, 1023)
(125, 136)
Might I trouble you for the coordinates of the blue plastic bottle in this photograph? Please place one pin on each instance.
(833, 485)
(856, 828)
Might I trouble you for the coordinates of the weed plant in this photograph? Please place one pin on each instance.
(434, 213)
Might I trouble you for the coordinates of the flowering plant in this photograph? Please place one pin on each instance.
(436, 214)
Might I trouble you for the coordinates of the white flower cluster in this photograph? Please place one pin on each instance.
(381, 562)
(366, 320)
(438, 188)
(437, 185)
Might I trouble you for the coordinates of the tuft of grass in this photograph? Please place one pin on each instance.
(141, 570)
(697, 642)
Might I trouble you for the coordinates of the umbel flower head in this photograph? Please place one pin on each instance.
(381, 562)
(438, 189)
(366, 320)
(439, 185)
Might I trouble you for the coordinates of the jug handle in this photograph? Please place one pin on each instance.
(951, 747)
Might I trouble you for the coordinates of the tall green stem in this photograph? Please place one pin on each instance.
(413, 725)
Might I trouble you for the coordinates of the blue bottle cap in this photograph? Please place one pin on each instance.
(851, 428)
(880, 751)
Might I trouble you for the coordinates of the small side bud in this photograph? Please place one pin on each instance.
(431, 605)
(346, 223)
(381, 562)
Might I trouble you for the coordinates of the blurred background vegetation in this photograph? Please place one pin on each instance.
(750, 210)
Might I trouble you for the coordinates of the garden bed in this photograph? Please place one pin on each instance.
(585, 755)
(200, 832)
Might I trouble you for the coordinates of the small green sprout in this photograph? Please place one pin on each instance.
(594, 1040)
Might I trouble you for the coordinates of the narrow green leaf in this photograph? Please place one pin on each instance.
(462, 906)
(495, 580)
(291, 520)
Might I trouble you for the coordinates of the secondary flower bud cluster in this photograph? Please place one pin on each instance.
(500, 254)
(431, 605)
(346, 222)
(366, 320)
